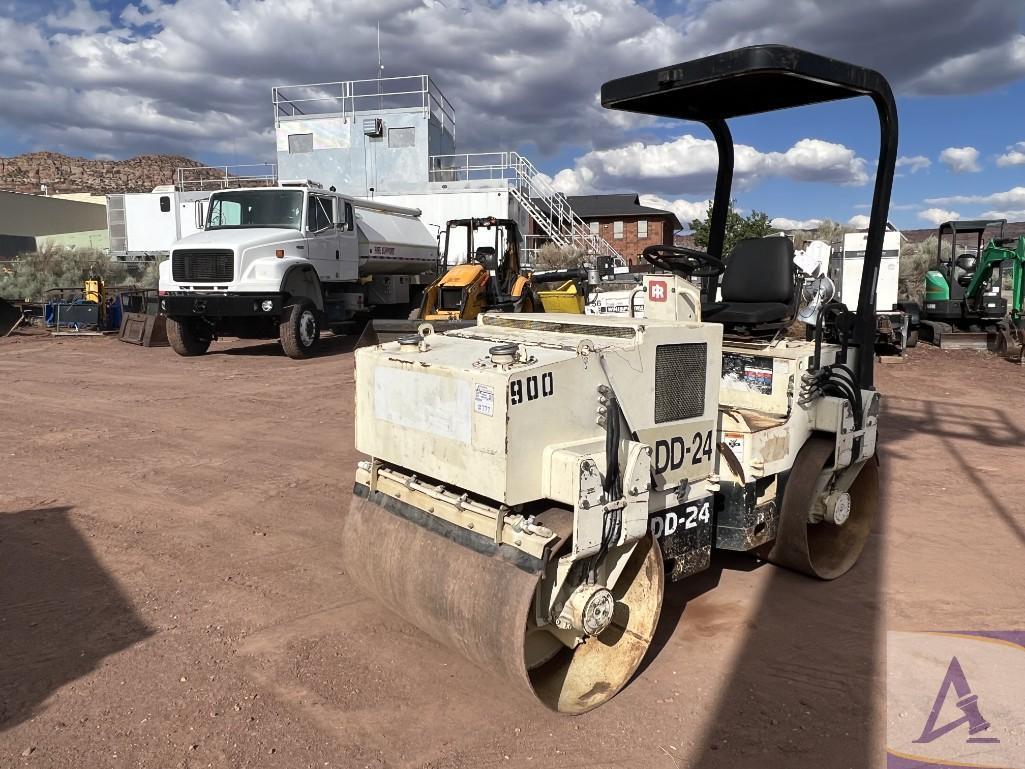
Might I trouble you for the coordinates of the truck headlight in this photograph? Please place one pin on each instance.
(267, 305)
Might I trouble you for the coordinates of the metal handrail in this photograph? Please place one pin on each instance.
(560, 222)
(431, 100)
(229, 177)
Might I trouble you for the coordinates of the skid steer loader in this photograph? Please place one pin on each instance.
(535, 480)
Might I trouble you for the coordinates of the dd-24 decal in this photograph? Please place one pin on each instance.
(531, 388)
(694, 514)
(672, 453)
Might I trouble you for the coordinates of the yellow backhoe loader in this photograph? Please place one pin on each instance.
(490, 279)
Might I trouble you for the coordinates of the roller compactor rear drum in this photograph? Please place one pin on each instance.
(480, 601)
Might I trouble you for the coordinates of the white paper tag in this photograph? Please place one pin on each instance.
(735, 443)
(484, 399)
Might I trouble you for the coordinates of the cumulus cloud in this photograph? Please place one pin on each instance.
(686, 210)
(193, 76)
(1015, 156)
(961, 159)
(1011, 216)
(914, 163)
(80, 16)
(688, 164)
(938, 215)
(858, 222)
(783, 223)
(1013, 198)
(980, 69)
(211, 63)
(912, 41)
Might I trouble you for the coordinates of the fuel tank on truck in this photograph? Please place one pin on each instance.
(391, 243)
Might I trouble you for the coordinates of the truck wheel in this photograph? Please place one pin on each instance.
(187, 336)
(301, 331)
(912, 338)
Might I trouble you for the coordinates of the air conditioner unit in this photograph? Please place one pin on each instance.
(373, 126)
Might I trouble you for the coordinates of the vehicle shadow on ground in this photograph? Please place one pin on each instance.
(994, 429)
(804, 684)
(329, 346)
(60, 612)
(679, 595)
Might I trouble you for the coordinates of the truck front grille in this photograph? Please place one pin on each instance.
(203, 265)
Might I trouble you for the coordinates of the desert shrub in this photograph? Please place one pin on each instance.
(554, 257)
(916, 259)
(29, 276)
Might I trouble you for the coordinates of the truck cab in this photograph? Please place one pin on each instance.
(286, 261)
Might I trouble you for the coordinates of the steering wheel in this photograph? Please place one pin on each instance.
(689, 262)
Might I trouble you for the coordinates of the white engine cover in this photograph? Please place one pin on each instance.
(451, 411)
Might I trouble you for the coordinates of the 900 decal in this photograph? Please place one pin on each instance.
(667, 523)
(671, 454)
(531, 388)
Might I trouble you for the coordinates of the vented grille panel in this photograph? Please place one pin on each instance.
(584, 329)
(203, 265)
(680, 381)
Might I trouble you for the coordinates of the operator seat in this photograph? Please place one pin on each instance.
(486, 257)
(759, 287)
(965, 266)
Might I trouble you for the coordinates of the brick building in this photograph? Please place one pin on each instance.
(627, 225)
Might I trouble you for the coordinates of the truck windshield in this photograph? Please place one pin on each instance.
(256, 208)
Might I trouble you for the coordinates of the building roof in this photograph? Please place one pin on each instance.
(609, 206)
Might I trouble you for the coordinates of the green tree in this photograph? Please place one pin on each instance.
(738, 227)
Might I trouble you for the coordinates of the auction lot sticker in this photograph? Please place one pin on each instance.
(955, 699)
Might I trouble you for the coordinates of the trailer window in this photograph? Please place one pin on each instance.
(255, 208)
(165, 204)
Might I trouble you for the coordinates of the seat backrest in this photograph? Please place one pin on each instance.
(487, 256)
(760, 270)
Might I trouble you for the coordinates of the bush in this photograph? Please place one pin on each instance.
(554, 257)
(29, 276)
(916, 259)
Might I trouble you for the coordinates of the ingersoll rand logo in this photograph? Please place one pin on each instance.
(658, 290)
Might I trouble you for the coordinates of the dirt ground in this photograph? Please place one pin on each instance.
(171, 594)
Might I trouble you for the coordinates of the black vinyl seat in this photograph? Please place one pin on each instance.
(759, 286)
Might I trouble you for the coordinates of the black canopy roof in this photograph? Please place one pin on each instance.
(747, 81)
(970, 225)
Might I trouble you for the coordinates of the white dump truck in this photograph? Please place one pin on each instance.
(289, 260)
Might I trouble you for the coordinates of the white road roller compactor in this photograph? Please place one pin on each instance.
(535, 480)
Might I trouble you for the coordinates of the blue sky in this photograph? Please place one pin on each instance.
(115, 79)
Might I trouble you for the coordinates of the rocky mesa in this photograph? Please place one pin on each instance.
(62, 173)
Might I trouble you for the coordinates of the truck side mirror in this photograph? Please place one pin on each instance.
(606, 267)
(198, 213)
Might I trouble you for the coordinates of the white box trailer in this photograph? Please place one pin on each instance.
(286, 261)
(896, 321)
(143, 225)
(847, 260)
